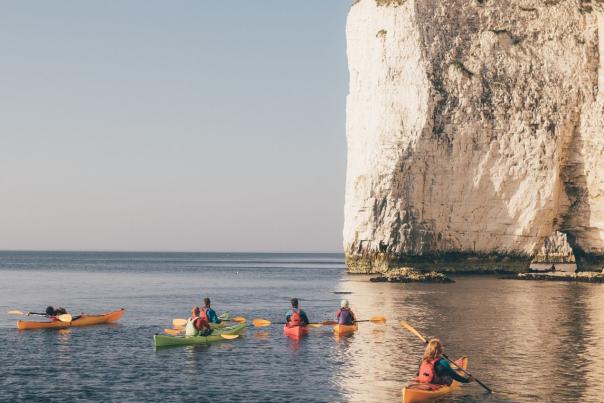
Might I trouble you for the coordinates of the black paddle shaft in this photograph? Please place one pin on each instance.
(467, 373)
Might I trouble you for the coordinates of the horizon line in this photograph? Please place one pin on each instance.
(159, 251)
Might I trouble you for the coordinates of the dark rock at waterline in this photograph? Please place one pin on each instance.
(406, 275)
(584, 277)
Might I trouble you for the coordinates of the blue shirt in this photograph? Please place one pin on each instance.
(443, 368)
(212, 317)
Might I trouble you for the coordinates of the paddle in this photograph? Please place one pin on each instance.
(176, 332)
(63, 318)
(183, 322)
(425, 340)
(380, 320)
(258, 322)
(179, 322)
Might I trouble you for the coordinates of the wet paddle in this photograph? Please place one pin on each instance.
(63, 318)
(380, 320)
(178, 323)
(176, 332)
(229, 336)
(412, 330)
(259, 322)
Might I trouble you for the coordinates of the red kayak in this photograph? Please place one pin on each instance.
(295, 332)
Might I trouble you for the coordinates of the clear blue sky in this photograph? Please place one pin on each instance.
(172, 125)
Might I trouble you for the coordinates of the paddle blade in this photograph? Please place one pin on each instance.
(261, 322)
(412, 330)
(179, 322)
(65, 317)
(239, 319)
(172, 332)
(378, 319)
(229, 336)
(225, 316)
(16, 312)
(329, 323)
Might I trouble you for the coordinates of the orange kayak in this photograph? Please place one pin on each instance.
(341, 330)
(419, 392)
(84, 320)
(295, 332)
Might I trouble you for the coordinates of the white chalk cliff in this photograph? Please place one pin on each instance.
(475, 133)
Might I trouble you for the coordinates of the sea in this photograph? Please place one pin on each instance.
(529, 341)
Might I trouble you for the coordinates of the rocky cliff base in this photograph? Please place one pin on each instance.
(583, 277)
(377, 263)
(409, 275)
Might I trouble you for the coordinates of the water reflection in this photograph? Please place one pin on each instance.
(530, 341)
(262, 335)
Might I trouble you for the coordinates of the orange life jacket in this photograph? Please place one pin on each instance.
(295, 319)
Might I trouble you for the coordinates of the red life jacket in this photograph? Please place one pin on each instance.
(203, 314)
(345, 316)
(200, 318)
(295, 319)
(426, 373)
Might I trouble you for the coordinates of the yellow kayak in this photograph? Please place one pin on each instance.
(419, 392)
(341, 330)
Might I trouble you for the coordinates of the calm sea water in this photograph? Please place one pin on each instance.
(529, 341)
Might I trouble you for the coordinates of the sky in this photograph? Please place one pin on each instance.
(173, 125)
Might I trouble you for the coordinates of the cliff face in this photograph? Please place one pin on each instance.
(475, 132)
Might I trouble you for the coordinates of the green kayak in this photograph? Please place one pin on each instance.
(164, 340)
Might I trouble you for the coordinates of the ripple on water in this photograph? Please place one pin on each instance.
(529, 341)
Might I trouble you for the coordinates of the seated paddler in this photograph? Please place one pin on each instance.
(435, 369)
(344, 315)
(296, 317)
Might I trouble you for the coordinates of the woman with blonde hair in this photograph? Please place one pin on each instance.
(435, 369)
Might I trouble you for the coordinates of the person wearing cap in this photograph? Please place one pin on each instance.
(344, 315)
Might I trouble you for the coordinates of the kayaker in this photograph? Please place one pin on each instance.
(206, 312)
(198, 324)
(50, 311)
(435, 369)
(210, 313)
(344, 315)
(296, 317)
